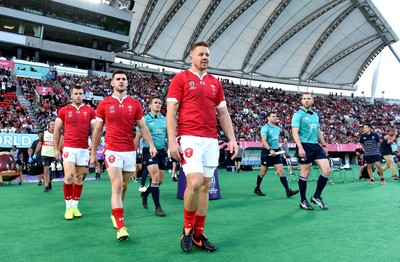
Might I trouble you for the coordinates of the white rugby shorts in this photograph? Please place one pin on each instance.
(200, 155)
(125, 160)
(79, 156)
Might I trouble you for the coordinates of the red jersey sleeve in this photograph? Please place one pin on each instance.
(220, 95)
(100, 111)
(92, 114)
(61, 114)
(176, 87)
(139, 111)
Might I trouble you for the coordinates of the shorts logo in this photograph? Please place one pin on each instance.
(188, 152)
(111, 159)
(66, 154)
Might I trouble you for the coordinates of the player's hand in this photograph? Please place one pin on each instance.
(34, 156)
(153, 151)
(326, 150)
(272, 152)
(233, 148)
(175, 151)
(301, 153)
(56, 154)
(93, 160)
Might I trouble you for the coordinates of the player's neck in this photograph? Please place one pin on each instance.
(201, 73)
(119, 95)
(77, 105)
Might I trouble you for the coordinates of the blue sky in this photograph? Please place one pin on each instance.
(389, 72)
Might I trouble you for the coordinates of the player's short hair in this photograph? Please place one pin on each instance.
(201, 43)
(154, 97)
(119, 71)
(368, 124)
(306, 93)
(270, 113)
(76, 87)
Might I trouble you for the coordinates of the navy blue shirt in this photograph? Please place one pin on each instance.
(386, 148)
(370, 143)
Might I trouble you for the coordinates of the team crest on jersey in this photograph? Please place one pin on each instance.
(112, 109)
(65, 155)
(85, 114)
(213, 89)
(130, 108)
(192, 85)
(111, 159)
(69, 113)
(188, 152)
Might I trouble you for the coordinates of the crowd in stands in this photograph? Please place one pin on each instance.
(341, 118)
(13, 116)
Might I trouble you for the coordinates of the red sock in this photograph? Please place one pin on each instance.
(199, 222)
(76, 192)
(188, 218)
(118, 214)
(67, 191)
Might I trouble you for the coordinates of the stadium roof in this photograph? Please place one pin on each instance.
(322, 43)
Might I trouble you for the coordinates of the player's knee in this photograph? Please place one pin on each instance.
(194, 184)
(326, 171)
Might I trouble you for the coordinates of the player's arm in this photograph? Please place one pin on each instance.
(321, 140)
(174, 149)
(138, 135)
(57, 137)
(267, 146)
(38, 148)
(92, 126)
(146, 136)
(226, 124)
(391, 140)
(296, 121)
(296, 138)
(96, 136)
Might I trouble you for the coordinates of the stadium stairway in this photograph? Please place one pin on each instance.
(25, 103)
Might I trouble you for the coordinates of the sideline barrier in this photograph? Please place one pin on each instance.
(213, 193)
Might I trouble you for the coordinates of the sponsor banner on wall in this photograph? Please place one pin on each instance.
(44, 90)
(331, 147)
(7, 63)
(8, 140)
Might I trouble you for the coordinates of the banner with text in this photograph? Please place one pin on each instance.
(7, 63)
(44, 90)
(8, 140)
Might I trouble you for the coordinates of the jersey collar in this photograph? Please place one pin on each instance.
(197, 74)
(120, 100)
(72, 104)
(307, 111)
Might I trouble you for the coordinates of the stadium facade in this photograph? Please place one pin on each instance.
(323, 44)
(72, 32)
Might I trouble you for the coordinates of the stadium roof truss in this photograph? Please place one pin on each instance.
(321, 43)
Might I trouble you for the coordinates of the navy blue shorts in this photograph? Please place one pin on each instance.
(313, 152)
(267, 160)
(370, 159)
(47, 160)
(159, 159)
